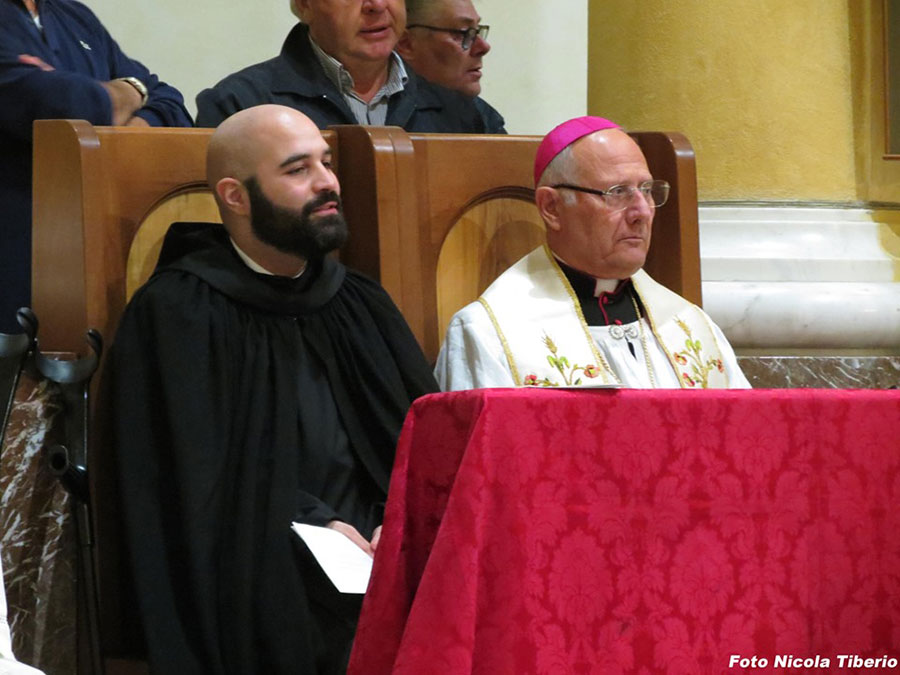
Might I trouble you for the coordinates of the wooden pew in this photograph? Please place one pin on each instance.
(100, 194)
(454, 211)
(93, 188)
(435, 218)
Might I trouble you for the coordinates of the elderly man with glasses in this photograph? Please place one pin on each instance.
(445, 43)
(339, 66)
(580, 311)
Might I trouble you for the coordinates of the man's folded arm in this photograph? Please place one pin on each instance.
(32, 94)
(165, 104)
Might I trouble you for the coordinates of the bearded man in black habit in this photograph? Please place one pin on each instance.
(256, 381)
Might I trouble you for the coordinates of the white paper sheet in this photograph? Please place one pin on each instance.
(346, 564)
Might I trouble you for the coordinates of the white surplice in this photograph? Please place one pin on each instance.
(501, 340)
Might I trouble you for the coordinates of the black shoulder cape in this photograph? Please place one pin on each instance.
(210, 366)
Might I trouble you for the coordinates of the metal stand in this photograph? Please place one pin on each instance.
(14, 351)
(69, 463)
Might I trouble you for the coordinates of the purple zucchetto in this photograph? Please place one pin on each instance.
(563, 135)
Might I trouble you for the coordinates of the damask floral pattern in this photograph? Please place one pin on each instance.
(637, 532)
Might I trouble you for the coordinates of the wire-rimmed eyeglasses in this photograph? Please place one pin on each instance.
(468, 35)
(618, 197)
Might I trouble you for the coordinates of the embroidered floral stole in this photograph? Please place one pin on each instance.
(547, 342)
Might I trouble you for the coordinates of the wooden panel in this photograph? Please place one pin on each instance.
(378, 189)
(674, 257)
(483, 243)
(191, 206)
(450, 175)
(455, 174)
(64, 152)
(418, 186)
(84, 224)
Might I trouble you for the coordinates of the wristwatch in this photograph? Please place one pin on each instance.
(140, 86)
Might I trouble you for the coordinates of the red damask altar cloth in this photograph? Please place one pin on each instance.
(637, 531)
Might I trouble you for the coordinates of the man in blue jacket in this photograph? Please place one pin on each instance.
(339, 67)
(58, 61)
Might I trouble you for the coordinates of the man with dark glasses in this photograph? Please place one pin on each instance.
(445, 42)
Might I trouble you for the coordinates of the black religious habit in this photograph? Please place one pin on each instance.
(243, 402)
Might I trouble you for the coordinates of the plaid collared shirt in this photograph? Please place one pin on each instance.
(375, 111)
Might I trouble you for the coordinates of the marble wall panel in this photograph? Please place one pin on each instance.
(800, 279)
(822, 372)
(37, 536)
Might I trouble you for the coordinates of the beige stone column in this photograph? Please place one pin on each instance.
(784, 103)
(762, 88)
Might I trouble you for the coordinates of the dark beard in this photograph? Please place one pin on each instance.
(296, 232)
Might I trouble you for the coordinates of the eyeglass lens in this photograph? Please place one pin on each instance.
(473, 32)
(655, 192)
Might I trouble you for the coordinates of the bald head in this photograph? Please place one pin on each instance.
(253, 135)
(271, 173)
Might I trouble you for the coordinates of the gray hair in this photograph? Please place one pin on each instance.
(560, 170)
